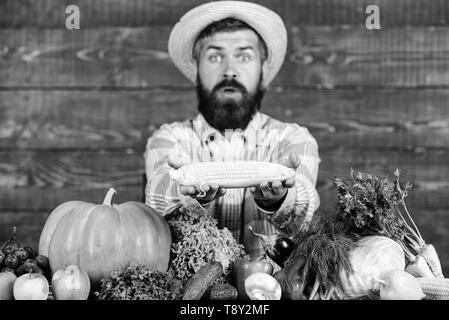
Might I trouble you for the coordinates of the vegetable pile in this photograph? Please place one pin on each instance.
(201, 256)
(369, 205)
(371, 248)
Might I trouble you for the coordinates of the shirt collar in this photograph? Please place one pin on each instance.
(208, 131)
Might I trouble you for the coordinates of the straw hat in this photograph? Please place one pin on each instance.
(265, 21)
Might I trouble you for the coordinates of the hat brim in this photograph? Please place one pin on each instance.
(266, 22)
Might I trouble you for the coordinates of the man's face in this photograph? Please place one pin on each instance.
(229, 78)
(233, 54)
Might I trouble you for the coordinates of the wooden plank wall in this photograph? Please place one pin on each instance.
(76, 106)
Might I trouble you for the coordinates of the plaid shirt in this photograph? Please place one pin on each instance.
(265, 139)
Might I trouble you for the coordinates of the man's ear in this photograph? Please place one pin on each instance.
(264, 72)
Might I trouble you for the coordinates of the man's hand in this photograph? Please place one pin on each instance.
(269, 195)
(211, 192)
(177, 161)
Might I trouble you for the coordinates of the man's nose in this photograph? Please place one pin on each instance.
(230, 71)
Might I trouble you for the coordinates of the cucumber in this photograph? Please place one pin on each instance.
(200, 281)
(223, 291)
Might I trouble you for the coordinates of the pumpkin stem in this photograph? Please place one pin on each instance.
(108, 199)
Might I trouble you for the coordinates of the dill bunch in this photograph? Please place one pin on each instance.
(320, 254)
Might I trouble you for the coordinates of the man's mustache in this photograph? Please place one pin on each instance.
(229, 83)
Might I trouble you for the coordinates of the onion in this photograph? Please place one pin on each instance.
(373, 256)
(399, 285)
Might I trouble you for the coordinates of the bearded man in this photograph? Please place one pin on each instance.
(232, 50)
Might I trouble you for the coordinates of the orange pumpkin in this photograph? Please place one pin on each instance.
(102, 238)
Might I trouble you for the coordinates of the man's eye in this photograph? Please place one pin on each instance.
(245, 57)
(214, 58)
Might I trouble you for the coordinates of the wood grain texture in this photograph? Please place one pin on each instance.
(318, 57)
(72, 119)
(29, 227)
(331, 57)
(51, 13)
(40, 180)
(87, 119)
(111, 57)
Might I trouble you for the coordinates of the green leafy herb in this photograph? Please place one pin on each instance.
(140, 283)
(369, 205)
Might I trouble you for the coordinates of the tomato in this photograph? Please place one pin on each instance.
(291, 290)
(243, 268)
(399, 285)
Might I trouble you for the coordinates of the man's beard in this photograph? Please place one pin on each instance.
(229, 113)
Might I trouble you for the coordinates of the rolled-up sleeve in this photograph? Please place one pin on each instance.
(161, 192)
(302, 200)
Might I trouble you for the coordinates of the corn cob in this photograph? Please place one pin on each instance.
(435, 288)
(231, 174)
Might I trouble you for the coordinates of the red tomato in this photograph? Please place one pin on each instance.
(291, 290)
(243, 268)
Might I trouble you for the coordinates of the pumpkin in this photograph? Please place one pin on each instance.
(101, 238)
